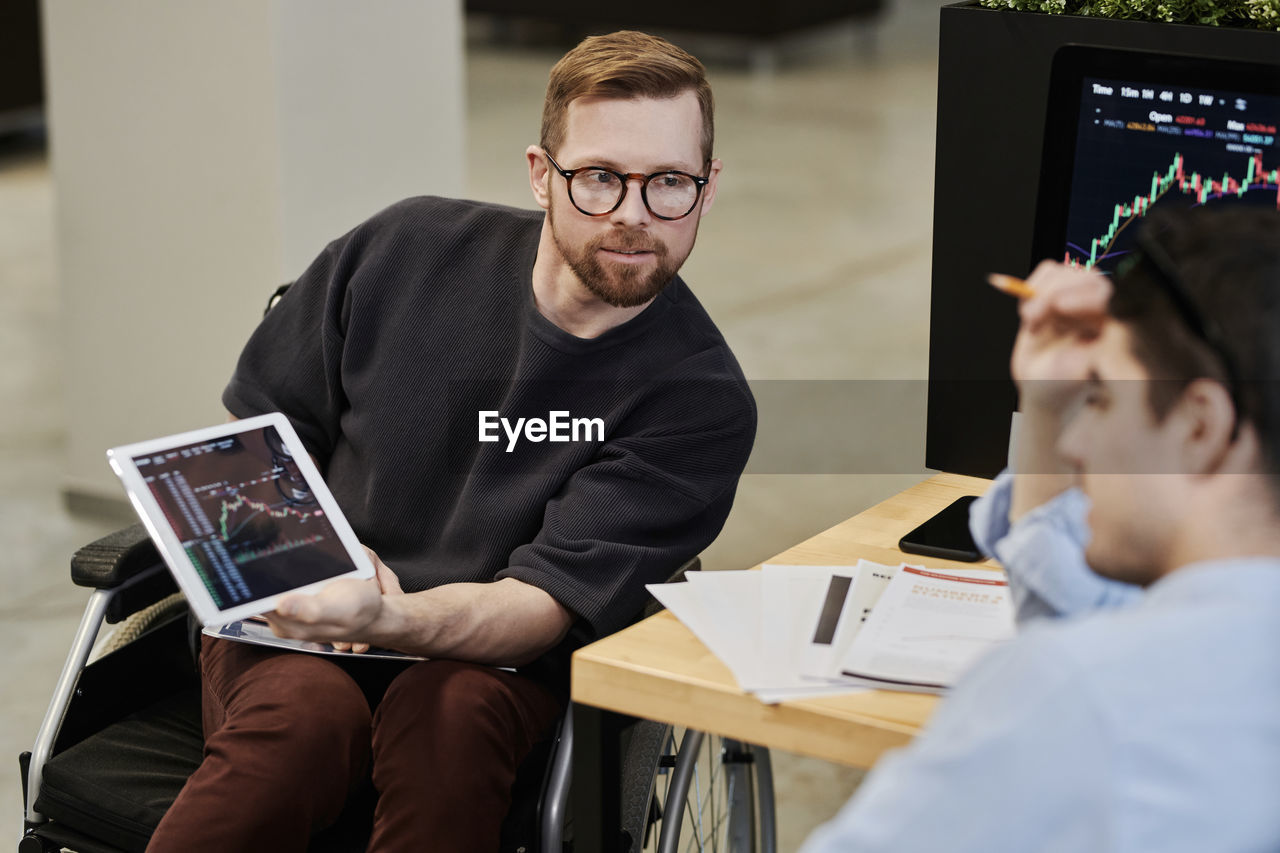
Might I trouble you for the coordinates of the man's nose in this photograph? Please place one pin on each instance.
(1073, 441)
(632, 212)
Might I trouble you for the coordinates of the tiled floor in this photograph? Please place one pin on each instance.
(815, 263)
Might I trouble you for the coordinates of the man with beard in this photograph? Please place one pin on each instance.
(497, 555)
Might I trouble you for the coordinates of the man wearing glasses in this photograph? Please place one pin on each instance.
(1139, 709)
(396, 355)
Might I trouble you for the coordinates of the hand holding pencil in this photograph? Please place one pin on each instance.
(1062, 310)
(1066, 291)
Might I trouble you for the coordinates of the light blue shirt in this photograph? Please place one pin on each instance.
(1151, 724)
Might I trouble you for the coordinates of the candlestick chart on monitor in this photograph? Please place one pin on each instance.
(1143, 146)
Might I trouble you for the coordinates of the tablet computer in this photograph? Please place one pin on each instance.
(240, 515)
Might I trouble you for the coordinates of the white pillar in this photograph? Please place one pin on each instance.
(204, 153)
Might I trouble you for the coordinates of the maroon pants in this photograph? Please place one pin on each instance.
(289, 735)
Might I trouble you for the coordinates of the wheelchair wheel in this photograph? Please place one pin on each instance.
(711, 794)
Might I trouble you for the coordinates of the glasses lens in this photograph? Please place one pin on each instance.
(595, 191)
(671, 194)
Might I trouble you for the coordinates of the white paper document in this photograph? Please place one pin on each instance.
(802, 606)
(869, 581)
(929, 626)
(720, 613)
(788, 632)
(727, 611)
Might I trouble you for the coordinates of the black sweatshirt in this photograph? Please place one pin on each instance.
(389, 347)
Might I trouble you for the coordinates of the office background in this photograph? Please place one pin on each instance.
(814, 262)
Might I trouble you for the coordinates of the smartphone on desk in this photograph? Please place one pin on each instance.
(946, 535)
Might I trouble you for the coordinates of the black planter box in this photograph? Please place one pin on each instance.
(21, 76)
(993, 84)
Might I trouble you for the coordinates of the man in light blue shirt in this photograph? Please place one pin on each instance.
(1139, 707)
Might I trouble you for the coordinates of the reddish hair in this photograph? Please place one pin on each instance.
(625, 64)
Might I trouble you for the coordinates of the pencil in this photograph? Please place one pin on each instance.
(1011, 285)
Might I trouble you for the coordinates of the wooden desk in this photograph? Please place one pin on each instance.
(657, 668)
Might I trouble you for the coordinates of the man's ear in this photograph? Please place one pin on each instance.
(539, 174)
(1208, 419)
(709, 191)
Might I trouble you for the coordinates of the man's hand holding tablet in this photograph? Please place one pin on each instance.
(344, 608)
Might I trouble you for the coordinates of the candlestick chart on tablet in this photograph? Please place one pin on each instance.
(244, 515)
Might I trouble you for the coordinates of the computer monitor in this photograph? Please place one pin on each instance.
(1125, 132)
(1128, 133)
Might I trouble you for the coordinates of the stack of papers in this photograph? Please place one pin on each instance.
(790, 632)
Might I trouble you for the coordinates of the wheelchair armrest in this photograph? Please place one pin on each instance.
(113, 559)
(127, 563)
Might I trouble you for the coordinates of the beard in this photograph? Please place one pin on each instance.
(618, 284)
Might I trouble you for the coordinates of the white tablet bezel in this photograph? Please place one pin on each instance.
(170, 547)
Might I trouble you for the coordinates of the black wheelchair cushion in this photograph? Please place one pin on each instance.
(113, 559)
(117, 784)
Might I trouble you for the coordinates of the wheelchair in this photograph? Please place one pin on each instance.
(123, 733)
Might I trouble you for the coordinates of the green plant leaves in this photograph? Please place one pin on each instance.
(1262, 14)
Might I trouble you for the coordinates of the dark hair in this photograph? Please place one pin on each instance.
(625, 64)
(1228, 260)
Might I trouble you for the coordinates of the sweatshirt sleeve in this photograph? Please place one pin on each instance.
(292, 361)
(656, 495)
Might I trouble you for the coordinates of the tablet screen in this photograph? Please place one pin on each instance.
(244, 515)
